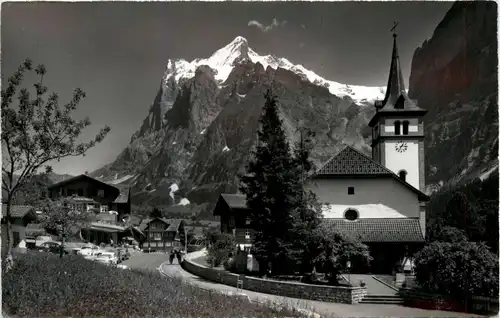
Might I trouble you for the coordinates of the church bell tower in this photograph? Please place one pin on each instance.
(398, 129)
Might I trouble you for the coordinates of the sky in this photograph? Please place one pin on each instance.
(117, 52)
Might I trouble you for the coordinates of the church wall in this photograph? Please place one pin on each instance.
(408, 160)
(386, 191)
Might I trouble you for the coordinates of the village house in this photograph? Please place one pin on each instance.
(86, 193)
(378, 200)
(161, 234)
(22, 216)
(109, 203)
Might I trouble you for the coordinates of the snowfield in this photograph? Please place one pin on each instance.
(223, 61)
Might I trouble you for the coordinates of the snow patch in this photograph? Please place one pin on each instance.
(173, 188)
(366, 211)
(184, 201)
(202, 132)
(242, 95)
(122, 179)
(174, 143)
(223, 60)
(225, 149)
(486, 174)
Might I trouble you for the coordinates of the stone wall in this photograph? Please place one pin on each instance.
(337, 294)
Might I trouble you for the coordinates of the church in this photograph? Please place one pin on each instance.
(379, 200)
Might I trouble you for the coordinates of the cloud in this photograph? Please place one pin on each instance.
(266, 28)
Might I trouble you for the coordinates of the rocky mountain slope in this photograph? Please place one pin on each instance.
(203, 122)
(454, 76)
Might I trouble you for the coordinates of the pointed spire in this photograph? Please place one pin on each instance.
(395, 84)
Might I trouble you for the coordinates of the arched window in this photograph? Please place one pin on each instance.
(351, 214)
(397, 127)
(402, 175)
(406, 124)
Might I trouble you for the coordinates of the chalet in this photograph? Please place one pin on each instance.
(110, 203)
(379, 199)
(86, 193)
(161, 234)
(22, 215)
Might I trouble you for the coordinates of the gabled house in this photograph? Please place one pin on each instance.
(161, 234)
(86, 193)
(110, 203)
(21, 215)
(233, 213)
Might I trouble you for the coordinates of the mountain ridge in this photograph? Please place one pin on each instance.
(202, 124)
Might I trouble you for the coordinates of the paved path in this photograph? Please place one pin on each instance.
(154, 261)
(373, 287)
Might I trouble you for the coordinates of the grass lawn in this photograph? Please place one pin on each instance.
(41, 284)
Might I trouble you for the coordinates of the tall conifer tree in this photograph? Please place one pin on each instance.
(272, 186)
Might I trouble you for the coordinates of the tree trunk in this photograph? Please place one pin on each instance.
(9, 260)
(61, 250)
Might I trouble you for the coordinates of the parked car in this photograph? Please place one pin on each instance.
(51, 247)
(88, 250)
(108, 258)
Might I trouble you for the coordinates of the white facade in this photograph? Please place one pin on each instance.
(385, 191)
(364, 211)
(406, 159)
(16, 228)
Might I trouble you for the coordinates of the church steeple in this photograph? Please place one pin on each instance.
(395, 96)
(395, 84)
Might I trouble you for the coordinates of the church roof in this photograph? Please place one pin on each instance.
(379, 230)
(349, 162)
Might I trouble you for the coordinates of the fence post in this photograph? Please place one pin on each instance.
(239, 283)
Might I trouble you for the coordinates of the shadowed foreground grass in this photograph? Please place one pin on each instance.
(43, 285)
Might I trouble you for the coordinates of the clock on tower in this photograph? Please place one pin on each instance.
(398, 130)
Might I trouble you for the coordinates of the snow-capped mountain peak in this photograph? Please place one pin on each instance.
(223, 60)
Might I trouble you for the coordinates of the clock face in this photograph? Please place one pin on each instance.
(401, 146)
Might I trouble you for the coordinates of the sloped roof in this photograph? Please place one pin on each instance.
(123, 196)
(77, 178)
(173, 224)
(349, 162)
(379, 230)
(235, 201)
(17, 211)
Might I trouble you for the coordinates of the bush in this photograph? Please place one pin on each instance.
(329, 251)
(459, 269)
(221, 249)
(42, 285)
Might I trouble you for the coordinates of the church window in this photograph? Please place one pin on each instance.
(405, 127)
(397, 127)
(402, 175)
(350, 190)
(351, 214)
